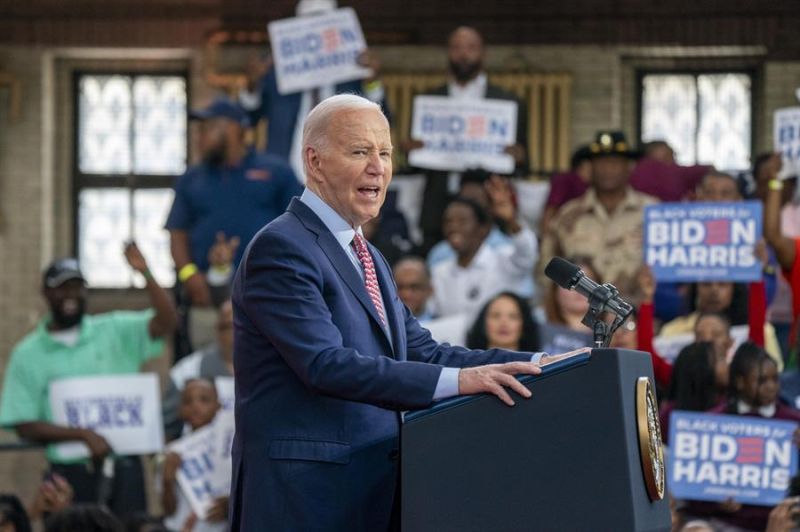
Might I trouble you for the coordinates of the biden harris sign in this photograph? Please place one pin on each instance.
(459, 134)
(317, 50)
(690, 242)
(715, 458)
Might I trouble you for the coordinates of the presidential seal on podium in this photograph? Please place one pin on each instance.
(649, 427)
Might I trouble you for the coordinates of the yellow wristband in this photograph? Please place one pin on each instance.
(775, 184)
(185, 273)
(373, 85)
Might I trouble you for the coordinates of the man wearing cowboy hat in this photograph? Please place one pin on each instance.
(606, 222)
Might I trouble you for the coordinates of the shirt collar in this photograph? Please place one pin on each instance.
(44, 332)
(767, 411)
(481, 260)
(475, 88)
(591, 202)
(337, 225)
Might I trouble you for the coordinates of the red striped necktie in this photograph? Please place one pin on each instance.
(370, 279)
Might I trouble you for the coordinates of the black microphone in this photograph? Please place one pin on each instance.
(604, 297)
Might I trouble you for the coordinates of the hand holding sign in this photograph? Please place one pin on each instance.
(218, 511)
(370, 60)
(172, 462)
(783, 518)
(98, 446)
(517, 151)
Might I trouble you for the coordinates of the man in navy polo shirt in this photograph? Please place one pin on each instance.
(221, 203)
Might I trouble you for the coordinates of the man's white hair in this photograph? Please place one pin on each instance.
(315, 129)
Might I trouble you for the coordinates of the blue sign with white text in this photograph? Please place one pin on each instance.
(717, 457)
(691, 242)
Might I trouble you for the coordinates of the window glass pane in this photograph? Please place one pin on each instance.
(103, 229)
(150, 208)
(669, 112)
(160, 125)
(725, 115)
(104, 124)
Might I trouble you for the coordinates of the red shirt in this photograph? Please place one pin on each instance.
(565, 187)
(667, 182)
(662, 370)
(793, 278)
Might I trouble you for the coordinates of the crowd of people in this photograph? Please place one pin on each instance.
(474, 278)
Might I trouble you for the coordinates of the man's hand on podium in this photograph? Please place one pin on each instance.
(495, 378)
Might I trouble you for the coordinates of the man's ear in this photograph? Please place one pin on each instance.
(313, 163)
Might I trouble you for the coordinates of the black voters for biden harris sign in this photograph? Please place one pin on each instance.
(689, 242)
(718, 457)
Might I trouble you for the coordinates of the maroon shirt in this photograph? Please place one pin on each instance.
(565, 187)
(667, 182)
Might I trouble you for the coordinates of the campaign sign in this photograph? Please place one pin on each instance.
(691, 242)
(124, 409)
(461, 134)
(787, 139)
(225, 392)
(317, 50)
(715, 457)
(202, 476)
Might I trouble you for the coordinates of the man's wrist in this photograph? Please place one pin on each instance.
(187, 272)
(775, 184)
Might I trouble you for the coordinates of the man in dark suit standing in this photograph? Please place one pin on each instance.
(326, 355)
(466, 80)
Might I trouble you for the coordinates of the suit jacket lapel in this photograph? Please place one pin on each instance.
(341, 262)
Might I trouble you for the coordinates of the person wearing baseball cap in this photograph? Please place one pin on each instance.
(219, 205)
(68, 342)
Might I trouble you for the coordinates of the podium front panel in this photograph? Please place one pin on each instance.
(565, 459)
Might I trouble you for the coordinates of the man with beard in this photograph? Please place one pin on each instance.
(220, 204)
(70, 343)
(466, 80)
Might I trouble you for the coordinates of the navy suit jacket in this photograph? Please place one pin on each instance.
(281, 110)
(319, 383)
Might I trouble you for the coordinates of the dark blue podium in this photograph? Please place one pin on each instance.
(568, 458)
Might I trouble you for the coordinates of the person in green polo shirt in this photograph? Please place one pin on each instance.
(69, 343)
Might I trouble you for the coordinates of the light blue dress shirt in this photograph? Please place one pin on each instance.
(447, 385)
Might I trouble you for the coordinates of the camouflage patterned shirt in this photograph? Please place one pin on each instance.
(613, 241)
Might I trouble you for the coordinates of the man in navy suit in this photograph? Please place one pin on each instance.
(326, 355)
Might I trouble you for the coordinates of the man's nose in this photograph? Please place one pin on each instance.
(375, 165)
